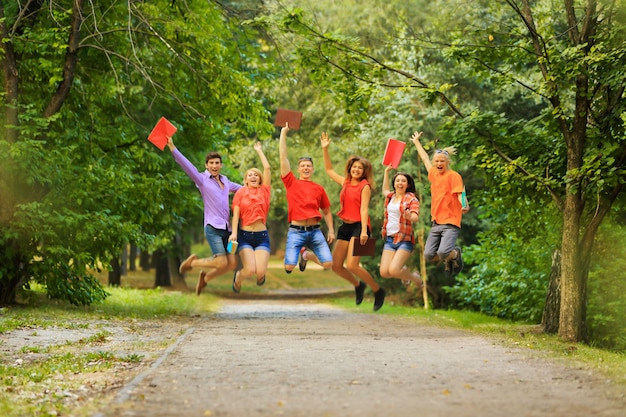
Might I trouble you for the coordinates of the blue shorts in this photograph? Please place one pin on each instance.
(314, 240)
(402, 245)
(217, 239)
(349, 230)
(253, 240)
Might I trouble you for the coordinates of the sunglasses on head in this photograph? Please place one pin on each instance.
(441, 151)
(306, 158)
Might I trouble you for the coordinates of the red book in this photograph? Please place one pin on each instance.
(161, 132)
(393, 153)
(288, 116)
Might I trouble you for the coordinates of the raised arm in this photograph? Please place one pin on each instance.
(386, 185)
(420, 150)
(285, 168)
(185, 164)
(328, 165)
(267, 172)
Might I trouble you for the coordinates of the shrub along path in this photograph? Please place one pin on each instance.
(299, 358)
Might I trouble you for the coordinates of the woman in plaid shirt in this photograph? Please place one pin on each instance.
(402, 209)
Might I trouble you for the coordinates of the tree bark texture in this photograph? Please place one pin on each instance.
(572, 297)
(550, 318)
(115, 274)
(162, 276)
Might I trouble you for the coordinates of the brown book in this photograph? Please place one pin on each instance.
(292, 117)
(369, 249)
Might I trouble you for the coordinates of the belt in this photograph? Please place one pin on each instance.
(306, 228)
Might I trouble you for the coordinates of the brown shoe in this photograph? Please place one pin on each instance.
(186, 266)
(201, 282)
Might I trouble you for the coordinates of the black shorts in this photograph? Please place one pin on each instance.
(348, 230)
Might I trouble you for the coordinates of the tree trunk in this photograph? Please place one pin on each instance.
(550, 319)
(124, 261)
(177, 279)
(115, 275)
(144, 260)
(423, 270)
(10, 260)
(162, 276)
(572, 289)
(132, 257)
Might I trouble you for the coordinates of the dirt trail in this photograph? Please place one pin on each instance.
(299, 358)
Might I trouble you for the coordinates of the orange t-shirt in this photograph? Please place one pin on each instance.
(305, 199)
(445, 207)
(254, 204)
(350, 199)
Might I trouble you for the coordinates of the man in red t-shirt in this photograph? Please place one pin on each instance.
(307, 202)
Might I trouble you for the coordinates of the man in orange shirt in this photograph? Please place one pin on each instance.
(446, 208)
(307, 201)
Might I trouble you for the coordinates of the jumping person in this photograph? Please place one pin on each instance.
(307, 202)
(402, 209)
(251, 205)
(356, 191)
(215, 189)
(446, 208)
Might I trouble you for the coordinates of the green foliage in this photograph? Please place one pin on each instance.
(82, 181)
(607, 285)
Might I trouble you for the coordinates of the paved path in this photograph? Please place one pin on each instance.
(298, 358)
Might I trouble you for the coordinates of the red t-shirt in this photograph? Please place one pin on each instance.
(350, 198)
(445, 207)
(254, 204)
(304, 198)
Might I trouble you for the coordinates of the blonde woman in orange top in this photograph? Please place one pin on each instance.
(356, 190)
(447, 207)
(251, 205)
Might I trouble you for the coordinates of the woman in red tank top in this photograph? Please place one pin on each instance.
(355, 197)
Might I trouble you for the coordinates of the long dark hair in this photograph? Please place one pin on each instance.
(410, 188)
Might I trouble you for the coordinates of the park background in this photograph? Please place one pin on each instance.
(531, 94)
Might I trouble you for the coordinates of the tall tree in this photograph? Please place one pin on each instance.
(562, 61)
(83, 84)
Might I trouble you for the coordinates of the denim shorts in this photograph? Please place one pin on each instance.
(402, 245)
(253, 240)
(217, 239)
(349, 230)
(313, 240)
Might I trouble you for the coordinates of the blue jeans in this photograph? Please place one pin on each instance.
(312, 239)
(402, 245)
(217, 239)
